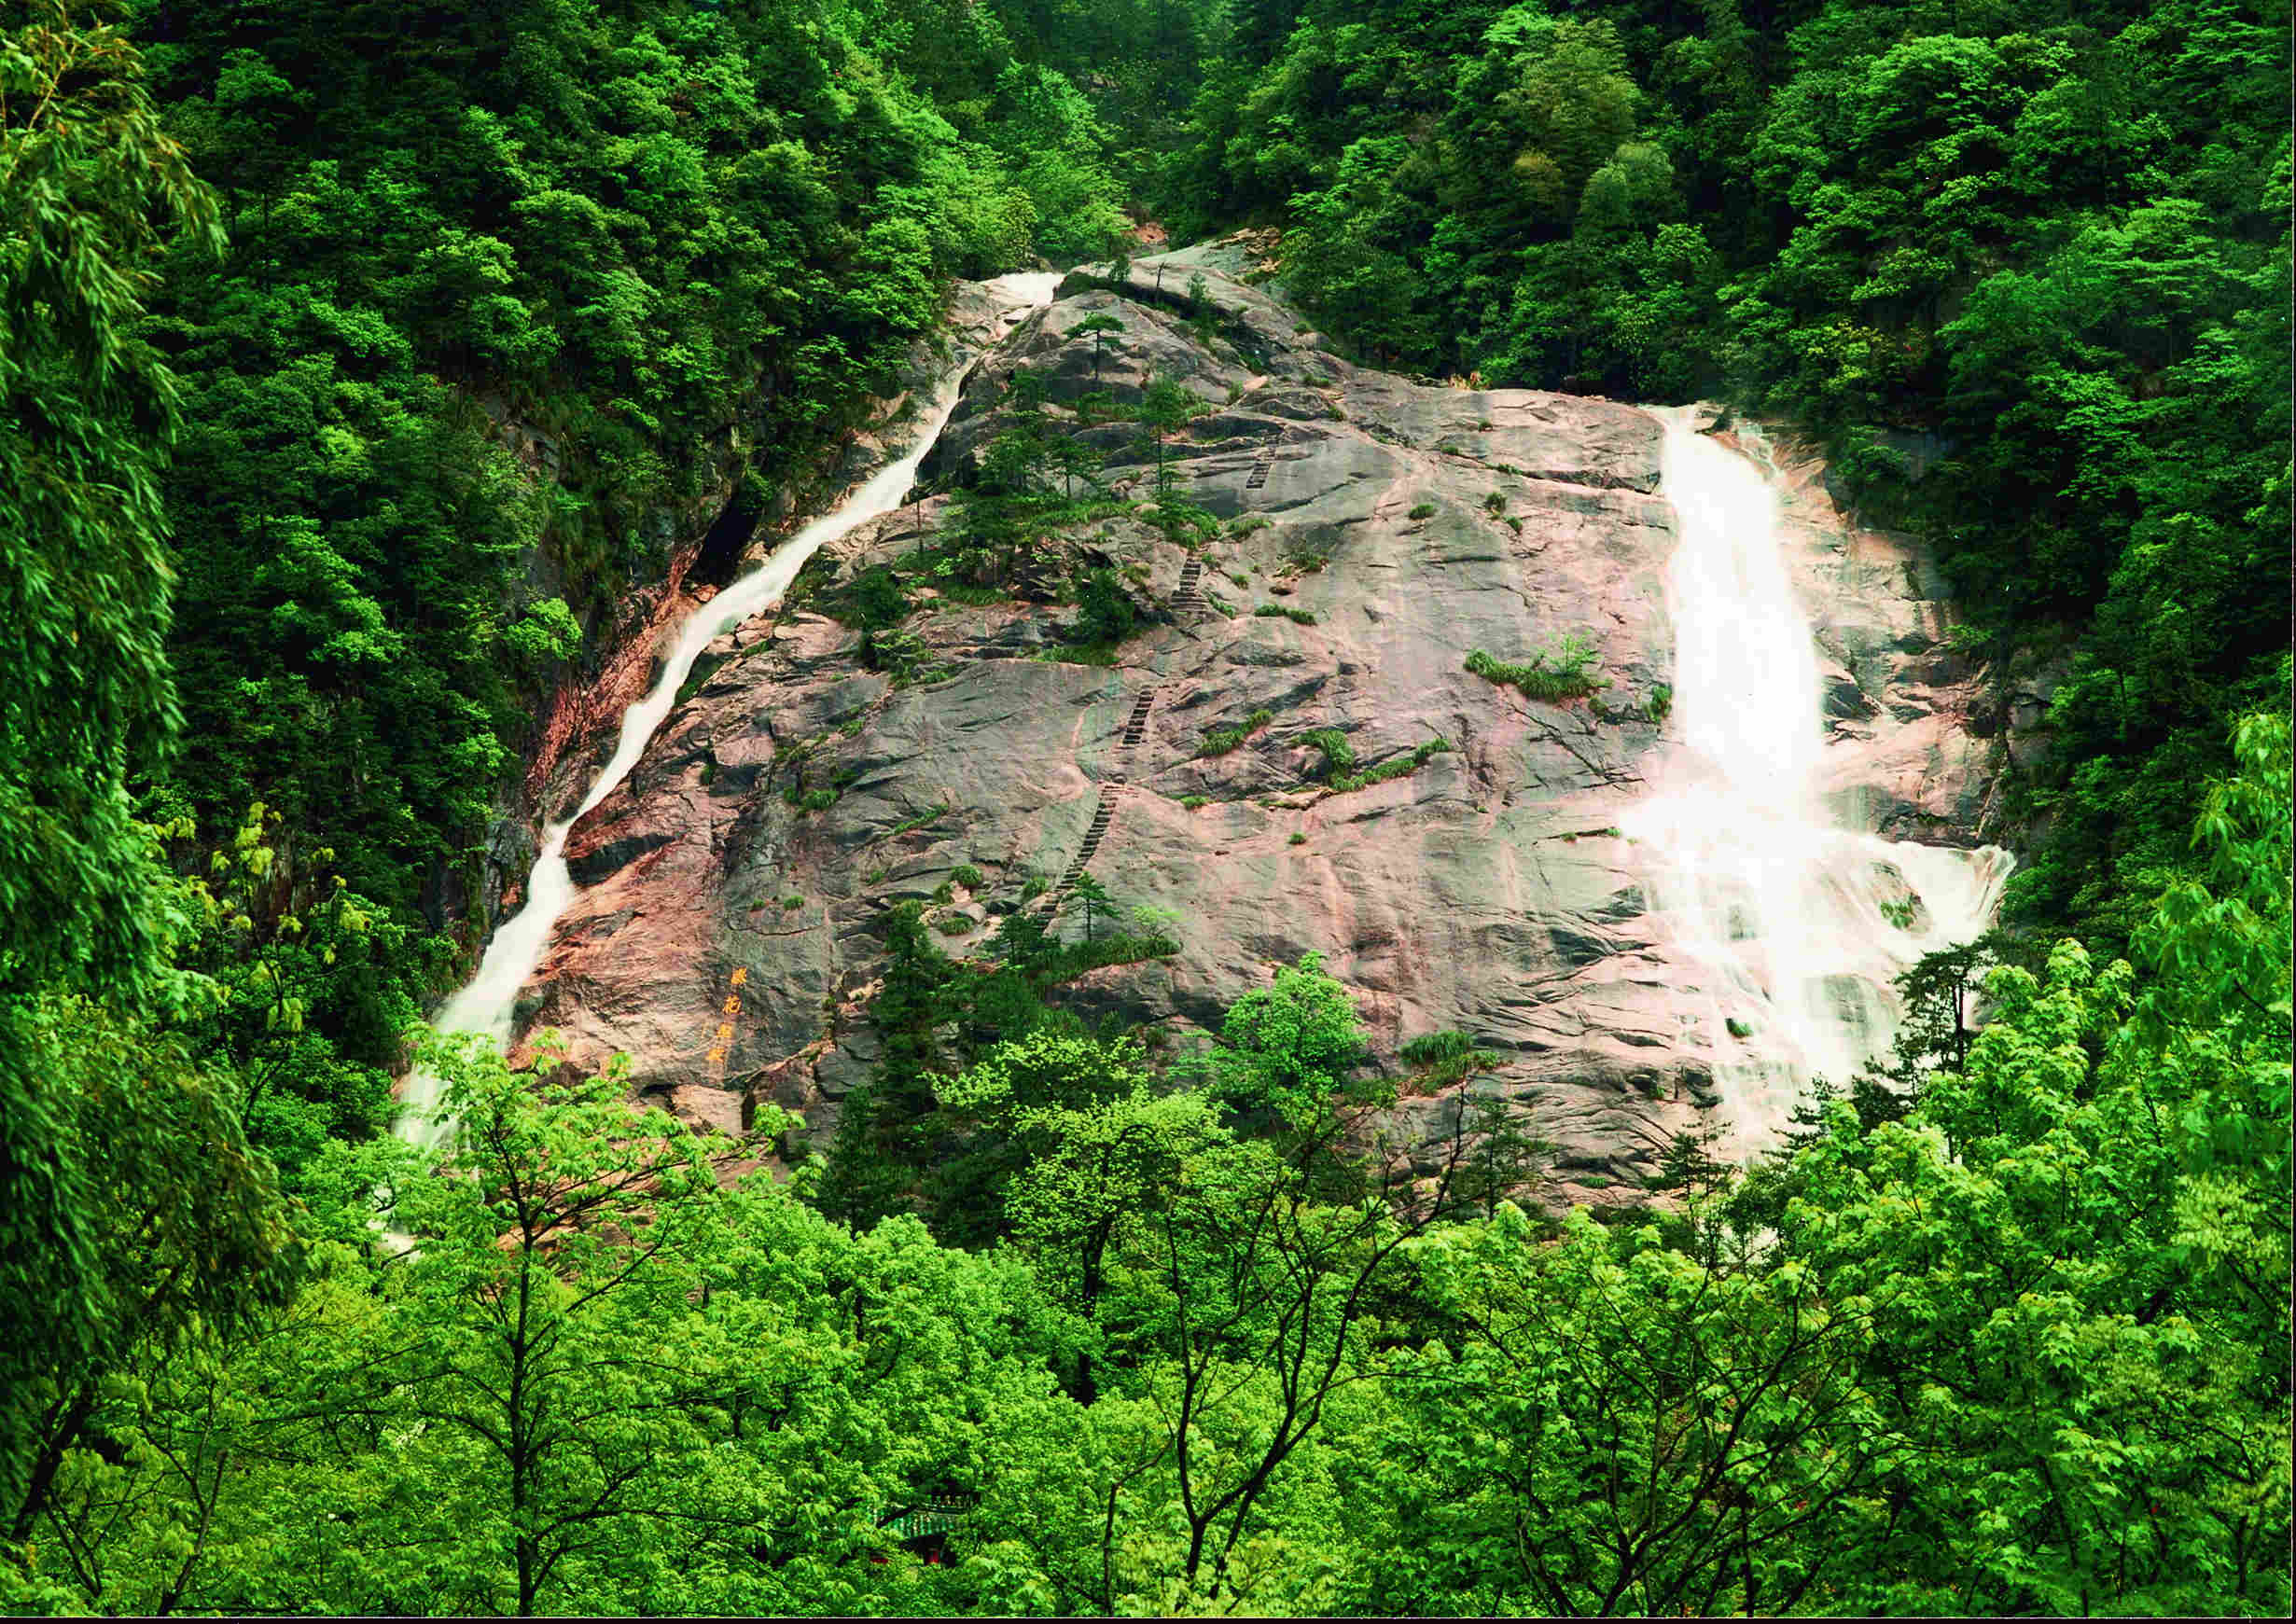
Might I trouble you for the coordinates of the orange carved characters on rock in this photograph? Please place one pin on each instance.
(722, 1040)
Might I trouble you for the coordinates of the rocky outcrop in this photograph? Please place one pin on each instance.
(1373, 533)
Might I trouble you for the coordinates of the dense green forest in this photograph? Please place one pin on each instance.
(357, 362)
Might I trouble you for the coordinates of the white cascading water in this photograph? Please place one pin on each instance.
(511, 958)
(1783, 909)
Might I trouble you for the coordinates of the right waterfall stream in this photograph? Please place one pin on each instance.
(1799, 924)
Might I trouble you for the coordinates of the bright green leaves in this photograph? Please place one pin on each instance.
(534, 1348)
(1056, 148)
(2213, 1034)
(180, 1239)
(1009, 1087)
(589, 1379)
(2012, 1353)
(1293, 1048)
(91, 191)
(546, 635)
(2071, 1236)
(1617, 1429)
(1087, 1143)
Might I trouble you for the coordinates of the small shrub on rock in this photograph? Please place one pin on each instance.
(1338, 755)
(1220, 740)
(1445, 1056)
(1104, 613)
(903, 655)
(1396, 767)
(878, 598)
(1557, 676)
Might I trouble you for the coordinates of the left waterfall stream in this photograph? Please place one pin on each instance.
(486, 1003)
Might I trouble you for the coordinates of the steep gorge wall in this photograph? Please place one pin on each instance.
(1487, 890)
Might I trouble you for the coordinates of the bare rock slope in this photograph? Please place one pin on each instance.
(1373, 532)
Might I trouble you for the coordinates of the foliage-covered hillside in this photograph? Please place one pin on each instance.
(354, 361)
(627, 228)
(671, 245)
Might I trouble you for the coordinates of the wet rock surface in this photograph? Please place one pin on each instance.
(1387, 529)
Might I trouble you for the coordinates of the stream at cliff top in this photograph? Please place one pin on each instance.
(1783, 909)
(515, 952)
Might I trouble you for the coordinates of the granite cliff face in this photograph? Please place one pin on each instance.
(1373, 532)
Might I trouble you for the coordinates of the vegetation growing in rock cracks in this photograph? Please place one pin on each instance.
(1555, 676)
(1222, 741)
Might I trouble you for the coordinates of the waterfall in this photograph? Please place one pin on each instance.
(1788, 915)
(511, 958)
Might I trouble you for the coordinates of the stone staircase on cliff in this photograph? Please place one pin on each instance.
(1104, 813)
(1103, 816)
(1189, 597)
(1260, 464)
(1136, 728)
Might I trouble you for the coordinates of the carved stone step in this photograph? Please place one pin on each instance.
(1187, 591)
(1136, 729)
(1103, 814)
